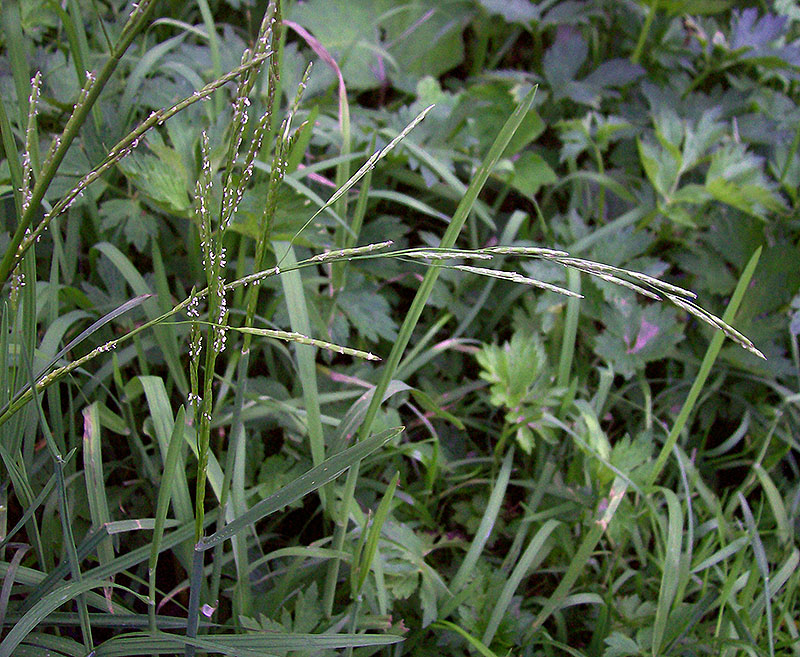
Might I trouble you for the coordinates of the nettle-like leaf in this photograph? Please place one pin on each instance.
(681, 146)
(522, 384)
(755, 40)
(426, 38)
(736, 177)
(621, 645)
(633, 456)
(373, 43)
(750, 31)
(563, 60)
(161, 178)
(592, 131)
(137, 225)
(512, 369)
(405, 571)
(368, 312)
(493, 101)
(527, 173)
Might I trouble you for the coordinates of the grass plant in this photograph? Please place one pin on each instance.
(208, 318)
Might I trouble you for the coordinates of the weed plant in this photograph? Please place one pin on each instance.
(174, 437)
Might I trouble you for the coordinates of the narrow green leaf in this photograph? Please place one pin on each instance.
(162, 505)
(582, 555)
(484, 531)
(95, 481)
(784, 531)
(39, 612)
(246, 645)
(705, 368)
(166, 338)
(763, 568)
(374, 533)
(720, 555)
(161, 415)
(671, 574)
(473, 641)
(415, 311)
(533, 554)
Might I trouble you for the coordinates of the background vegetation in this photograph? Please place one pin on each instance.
(196, 273)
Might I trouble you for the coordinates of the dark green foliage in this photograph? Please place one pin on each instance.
(527, 508)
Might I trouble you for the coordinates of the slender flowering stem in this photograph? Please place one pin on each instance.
(89, 95)
(123, 148)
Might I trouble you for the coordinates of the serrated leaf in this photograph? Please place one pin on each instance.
(691, 193)
(162, 182)
(635, 336)
(659, 165)
(137, 225)
(750, 31)
(369, 313)
(749, 198)
(563, 59)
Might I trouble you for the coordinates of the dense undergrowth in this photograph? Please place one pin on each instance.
(449, 263)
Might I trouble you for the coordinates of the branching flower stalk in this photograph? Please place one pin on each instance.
(233, 191)
(33, 102)
(234, 484)
(18, 276)
(213, 251)
(214, 263)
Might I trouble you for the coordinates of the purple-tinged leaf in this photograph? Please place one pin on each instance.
(747, 32)
(563, 59)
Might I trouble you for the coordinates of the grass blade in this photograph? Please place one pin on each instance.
(705, 368)
(473, 641)
(39, 612)
(95, 481)
(763, 568)
(247, 645)
(582, 555)
(672, 557)
(415, 311)
(162, 505)
(374, 534)
(484, 531)
(533, 553)
(166, 339)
